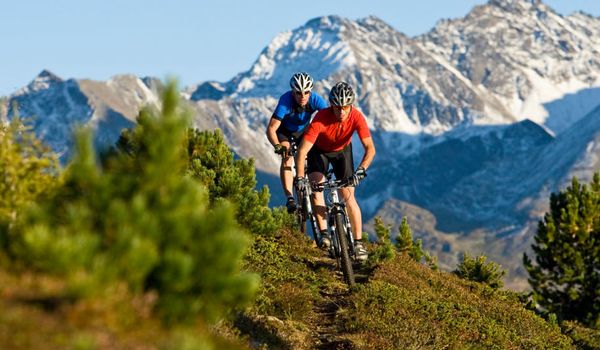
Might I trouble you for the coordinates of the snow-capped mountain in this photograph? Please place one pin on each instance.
(57, 106)
(527, 56)
(475, 122)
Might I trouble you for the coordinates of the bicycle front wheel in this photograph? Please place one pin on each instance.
(345, 262)
(301, 213)
(301, 221)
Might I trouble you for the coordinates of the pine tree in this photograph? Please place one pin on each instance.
(141, 220)
(432, 261)
(476, 269)
(417, 252)
(384, 249)
(212, 163)
(404, 240)
(566, 276)
(28, 170)
(406, 243)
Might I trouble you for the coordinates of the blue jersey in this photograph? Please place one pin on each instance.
(292, 116)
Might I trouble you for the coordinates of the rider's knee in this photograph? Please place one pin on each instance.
(349, 197)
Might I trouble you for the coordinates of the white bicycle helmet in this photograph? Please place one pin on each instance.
(301, 82)
(341, 94)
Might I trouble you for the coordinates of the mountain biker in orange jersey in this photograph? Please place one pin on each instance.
(328, 141)
(292, 114)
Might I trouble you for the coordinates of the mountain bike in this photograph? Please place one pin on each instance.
(304, 210)
(338, 225)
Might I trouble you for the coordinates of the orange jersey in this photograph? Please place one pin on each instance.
(330, 135)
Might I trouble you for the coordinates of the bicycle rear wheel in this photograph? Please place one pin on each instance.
(345, 262)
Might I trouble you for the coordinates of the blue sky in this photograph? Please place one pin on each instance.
(193, 41)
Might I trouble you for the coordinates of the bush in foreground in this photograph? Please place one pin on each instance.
(140, 220)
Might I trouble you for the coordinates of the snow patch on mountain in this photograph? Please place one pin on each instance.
(43, 81)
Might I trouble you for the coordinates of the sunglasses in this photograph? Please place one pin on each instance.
(340, 108)
(300, 93)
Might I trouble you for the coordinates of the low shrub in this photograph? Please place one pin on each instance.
(477, 270)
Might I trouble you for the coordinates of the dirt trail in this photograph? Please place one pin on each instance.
(329, 332)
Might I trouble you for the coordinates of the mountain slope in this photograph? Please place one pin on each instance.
(526, 54)
(57, 106)
(304, 304)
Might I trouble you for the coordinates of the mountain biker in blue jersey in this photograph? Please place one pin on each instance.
(290, 118)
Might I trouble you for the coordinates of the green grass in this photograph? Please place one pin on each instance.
(290, 275)
(402, 305)
(407, 305)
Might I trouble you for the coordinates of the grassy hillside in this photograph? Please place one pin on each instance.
(398, 305)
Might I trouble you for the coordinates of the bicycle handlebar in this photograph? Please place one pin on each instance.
(332, 184)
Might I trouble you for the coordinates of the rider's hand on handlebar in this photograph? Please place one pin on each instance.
(358, 176)
(301, 183)
(281, 149)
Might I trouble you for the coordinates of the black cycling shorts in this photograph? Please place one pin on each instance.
(341, 162)
(283, 134)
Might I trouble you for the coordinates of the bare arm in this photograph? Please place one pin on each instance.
(369, 152)
(274, 124)
(305, 146)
